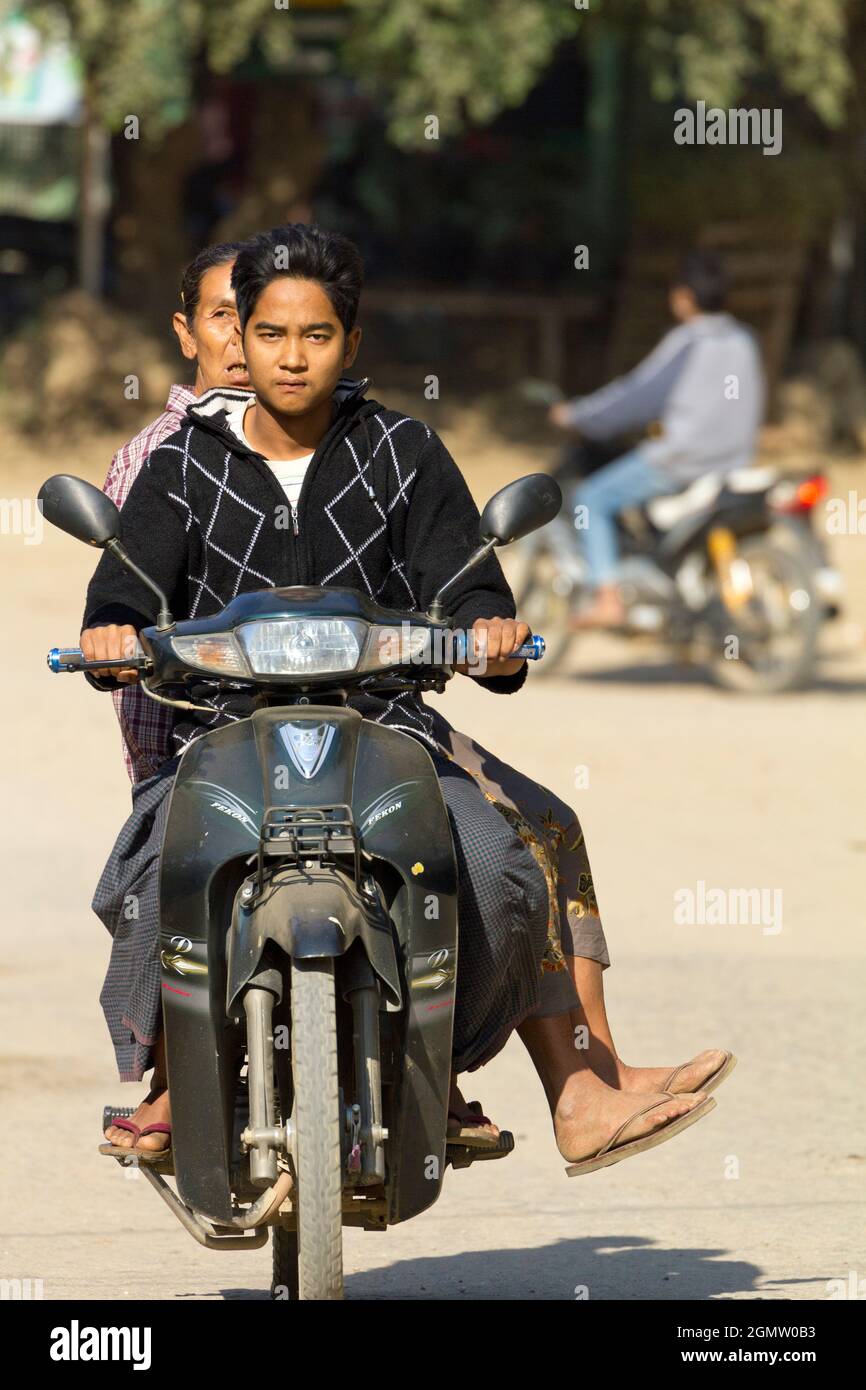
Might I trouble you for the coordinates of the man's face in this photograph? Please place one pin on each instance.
(683, 305)
(215, 338)
(295, 346)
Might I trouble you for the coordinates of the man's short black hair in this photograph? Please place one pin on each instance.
(303, 253)
(704, 274)
(190, 285)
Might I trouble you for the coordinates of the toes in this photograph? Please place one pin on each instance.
(672, 1110)
(686, 1102)
(708, 1062)
(120, 1138)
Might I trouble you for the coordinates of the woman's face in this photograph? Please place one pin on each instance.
(214, 341)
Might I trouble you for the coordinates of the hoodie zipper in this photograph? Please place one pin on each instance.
(335, 435)
(294, 550)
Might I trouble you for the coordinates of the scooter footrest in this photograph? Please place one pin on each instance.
(165, 1165)
(111, 1112)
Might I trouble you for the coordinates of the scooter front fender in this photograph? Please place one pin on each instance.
(310, 912)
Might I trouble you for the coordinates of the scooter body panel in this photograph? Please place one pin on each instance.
(306, 756)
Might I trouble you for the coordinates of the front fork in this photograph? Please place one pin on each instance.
(363, 1133)
(367, 1149)
(263, 1137)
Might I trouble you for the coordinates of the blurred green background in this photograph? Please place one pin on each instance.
(467, 148)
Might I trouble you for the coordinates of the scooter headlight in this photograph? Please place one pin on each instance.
(302, 646)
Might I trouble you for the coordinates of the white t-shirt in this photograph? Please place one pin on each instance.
(289, 473)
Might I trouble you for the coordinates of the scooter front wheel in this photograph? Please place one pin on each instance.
(316, 1123)
(778, 628)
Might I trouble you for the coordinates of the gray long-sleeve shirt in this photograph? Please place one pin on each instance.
(704, 382)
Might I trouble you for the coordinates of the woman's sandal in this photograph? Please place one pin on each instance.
(612, 1152)
(467, 1145)
(713, 1080)
(143, 1155)
(469, 1133)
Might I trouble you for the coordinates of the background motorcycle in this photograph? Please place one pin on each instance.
(308, 910)
(729, 556)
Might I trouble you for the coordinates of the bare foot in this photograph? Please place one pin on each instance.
(585, 1121)
(692, 1076)
(154, 1110)
(466, 1116)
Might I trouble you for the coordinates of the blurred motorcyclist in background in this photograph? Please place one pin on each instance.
(704, 383)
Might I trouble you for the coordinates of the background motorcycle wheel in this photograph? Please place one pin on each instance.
(316, 1120)
(543, 598)
(782, 580)
(285, 1264)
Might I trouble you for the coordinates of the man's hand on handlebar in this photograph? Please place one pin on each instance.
(560, 415)
(495, 640)
(111, 643)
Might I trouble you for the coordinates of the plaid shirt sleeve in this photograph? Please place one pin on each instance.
(145, 726)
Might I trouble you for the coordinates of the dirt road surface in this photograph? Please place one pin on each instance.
(764, 1199)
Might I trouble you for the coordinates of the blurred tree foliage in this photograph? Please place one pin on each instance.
(140, 57)
(467, 62)
(714, 51)
(460, 60)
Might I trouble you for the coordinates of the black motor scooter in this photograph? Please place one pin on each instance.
(308, 910)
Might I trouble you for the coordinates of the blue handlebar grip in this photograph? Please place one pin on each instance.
(56, 662)
(532, 649)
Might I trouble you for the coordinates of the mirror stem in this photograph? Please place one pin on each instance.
(164, 620)
(435, 612)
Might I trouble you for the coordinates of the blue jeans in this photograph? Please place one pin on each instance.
(627, 482)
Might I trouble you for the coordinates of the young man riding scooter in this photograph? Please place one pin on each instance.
(309, 482)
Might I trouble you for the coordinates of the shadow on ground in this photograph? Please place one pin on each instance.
(621, 1267)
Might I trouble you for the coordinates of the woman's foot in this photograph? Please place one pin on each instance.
(460, 1108)
(690, 1077)
(589, 1113)
(154, 1110)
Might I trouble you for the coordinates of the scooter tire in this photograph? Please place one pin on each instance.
(798, 670)
(316, 1122)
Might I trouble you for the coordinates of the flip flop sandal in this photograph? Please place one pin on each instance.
(143, 1155)
(470, 1136)
(612, 1152)
(462, 1155)
(725, 1067)
(154, 1155)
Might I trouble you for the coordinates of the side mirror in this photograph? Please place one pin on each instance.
(80, 509)
(519, 508)
(512, 512)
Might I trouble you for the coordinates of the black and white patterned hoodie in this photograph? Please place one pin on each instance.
(383, 509)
